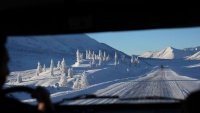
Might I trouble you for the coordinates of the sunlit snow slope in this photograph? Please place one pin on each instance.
(168, 53)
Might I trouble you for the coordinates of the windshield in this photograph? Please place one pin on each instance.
(129, 66)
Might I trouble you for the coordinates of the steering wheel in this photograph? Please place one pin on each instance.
(40, 93)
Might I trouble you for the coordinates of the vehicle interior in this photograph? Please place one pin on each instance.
(52, 17)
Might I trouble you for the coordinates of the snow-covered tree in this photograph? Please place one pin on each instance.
(44, 68)
(63, 81)
(132, 59)
(104, 56)
(100, 54)
(84, 81)
(108, 58)
(116, 59)
(19, 78)
(58, 64)
(76, 84)
(81, 56)
(37, 73)
(137, 62)
(93, 55)
(77, 56)
(51, 68)
(70, 74)
(63, 67)
(89, 54)
(93, 61)
(100, 61)
(86, 55)
(39, 68)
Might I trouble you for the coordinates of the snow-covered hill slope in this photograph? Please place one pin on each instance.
(26, 52)
(168, 53)
(196, 56)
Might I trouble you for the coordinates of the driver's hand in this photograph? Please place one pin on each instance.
(41, 94)
(43, 97)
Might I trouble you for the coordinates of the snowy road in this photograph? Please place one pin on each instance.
(158, 83)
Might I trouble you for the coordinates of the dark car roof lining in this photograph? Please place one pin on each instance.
(81, 17)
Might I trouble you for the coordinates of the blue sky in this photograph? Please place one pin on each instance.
(140, 41)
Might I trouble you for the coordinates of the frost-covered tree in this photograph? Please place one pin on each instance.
(19, 78)
(93, 61)
(132, 59)
(76, 84)
(116, 59)
(137, 62)
(63, 81)
(84, 81)
(89, 54)
(104, 56)
(37, 73)
(70, 74)
(86, 55)
(108, 58)
(77, 56)
(93, 55)
(44, 68)
(100, 61)
(39, 68)
(63, 67)
(100, 54)
(51, 68)
(58, 64)
(81, 56)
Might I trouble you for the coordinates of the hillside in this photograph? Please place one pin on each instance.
(26, 52)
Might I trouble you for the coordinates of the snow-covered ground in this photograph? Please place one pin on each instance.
(122, 80)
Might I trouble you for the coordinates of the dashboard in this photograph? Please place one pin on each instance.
(121, 108)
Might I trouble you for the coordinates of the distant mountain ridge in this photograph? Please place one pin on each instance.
(170, 53)
(26, 52)
(194, 49)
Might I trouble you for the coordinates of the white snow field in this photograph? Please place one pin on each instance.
(109, 80)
